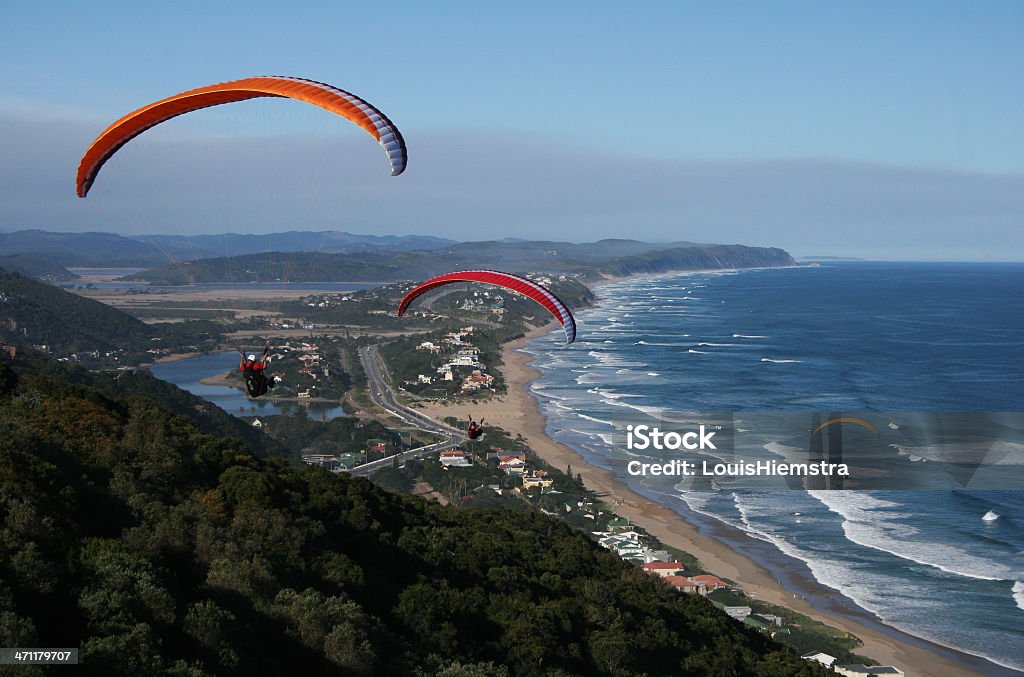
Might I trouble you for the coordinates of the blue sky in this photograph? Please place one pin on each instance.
(877, 129)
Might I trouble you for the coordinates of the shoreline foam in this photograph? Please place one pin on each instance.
(723, 550)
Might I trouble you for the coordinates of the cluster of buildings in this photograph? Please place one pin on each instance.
(328, 300)
(84, 355)
(516, 466)
(460, 353)
(852, 669)
(512, 466)
(672, 573)
(485, 302)
(547, 279)
(314, 364)
(627, 543)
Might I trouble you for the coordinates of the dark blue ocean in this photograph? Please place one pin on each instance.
(897, 343)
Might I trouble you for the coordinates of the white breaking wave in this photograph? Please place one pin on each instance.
(1018, 594)
(863, 525)
(998, 452)
(765, 359)
(790, 454)
(667, 345)
(610, 394)
(696, 352)
(749, 336)
(903, 451)
(656, 412)
(612, 360)
(595, 420)
(837, 574)
(716, 345)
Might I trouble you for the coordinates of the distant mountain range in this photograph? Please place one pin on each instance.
(591, 260)
(306, 256)
(146, 251)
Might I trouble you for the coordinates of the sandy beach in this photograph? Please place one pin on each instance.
(227, 379)
(518, 412)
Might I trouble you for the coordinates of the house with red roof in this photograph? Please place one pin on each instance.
(681, 583)
(663, 569)
(455, 458)
(512, 465)
(708, 583)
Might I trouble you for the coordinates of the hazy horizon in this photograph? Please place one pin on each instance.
(865, 131)
(824, 256)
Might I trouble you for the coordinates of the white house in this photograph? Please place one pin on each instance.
(819, 657)
(740, 613)
(859, 670)
(512, 465)
(455, 458)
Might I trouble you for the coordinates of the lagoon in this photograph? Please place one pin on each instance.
(189, 372)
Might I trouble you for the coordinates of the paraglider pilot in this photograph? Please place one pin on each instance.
(475, 429)
(255, 374)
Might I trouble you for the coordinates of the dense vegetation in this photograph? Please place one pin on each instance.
(612, 257)
(36, 313)
(158, 548)
(140, 383)
(39, 267)
(709, 257)
(337, 436)
(804, 634)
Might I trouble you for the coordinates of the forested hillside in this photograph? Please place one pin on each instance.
(39, 267)
(140, 383)
(35, 313)
(38, 313)
(161, 549)
(613, 257)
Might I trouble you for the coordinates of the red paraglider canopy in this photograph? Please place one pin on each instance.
(508, 281)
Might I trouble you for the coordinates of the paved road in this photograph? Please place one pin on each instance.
(382, 395)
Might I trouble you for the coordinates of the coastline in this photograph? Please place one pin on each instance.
(717, 546)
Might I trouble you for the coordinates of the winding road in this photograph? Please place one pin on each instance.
(384, 397)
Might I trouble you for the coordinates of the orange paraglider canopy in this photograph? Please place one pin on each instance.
(331, 99)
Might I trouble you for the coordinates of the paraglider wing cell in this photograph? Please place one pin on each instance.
(508, 281)
(331, 99)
